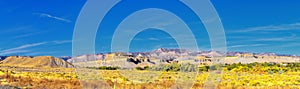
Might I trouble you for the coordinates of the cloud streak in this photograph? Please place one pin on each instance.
(286, 38)
(21, 49)
(28, 35)
(25, 48)
(154, 39)
(54, 17)
(62, 41)
(281, 27)
(252, 45)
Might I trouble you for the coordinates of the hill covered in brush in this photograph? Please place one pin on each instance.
(39, 61)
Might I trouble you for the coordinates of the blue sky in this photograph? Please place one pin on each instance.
(45, 27)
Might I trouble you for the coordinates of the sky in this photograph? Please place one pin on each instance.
(45, 27)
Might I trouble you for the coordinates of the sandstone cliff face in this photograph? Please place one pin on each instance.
(163, 54)
(87, 57)
(40, 61)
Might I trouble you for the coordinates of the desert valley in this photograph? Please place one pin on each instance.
(160, 69)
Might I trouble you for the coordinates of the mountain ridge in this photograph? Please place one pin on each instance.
(167, 53)
(38, 61)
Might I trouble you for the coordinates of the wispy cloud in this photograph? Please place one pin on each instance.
(26, 47)
(21, 49)
(154, 39)
(18, 32)
(28, 34)
(15, 29)
(172, 44)
(285, 38)
(294, 44)
(37, 53)
(14, 51)
(281, 27)
(54, 17)
(248, 45)
(62, 41)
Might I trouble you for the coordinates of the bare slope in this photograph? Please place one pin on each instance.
(40, 61)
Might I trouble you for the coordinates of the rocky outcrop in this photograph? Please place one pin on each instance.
(88, 57)
(164, 55)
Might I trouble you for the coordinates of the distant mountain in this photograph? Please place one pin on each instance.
(40, 61)
(267, 54)
(212, 53)
(87, 57)
(180, 54)
(165, 50)
(161, 54)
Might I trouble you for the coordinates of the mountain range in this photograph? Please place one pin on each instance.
(161, 53)
(167, 53)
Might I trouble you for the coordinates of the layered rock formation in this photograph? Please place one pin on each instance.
(40, 61)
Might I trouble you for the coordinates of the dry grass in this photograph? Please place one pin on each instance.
(61, 78)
